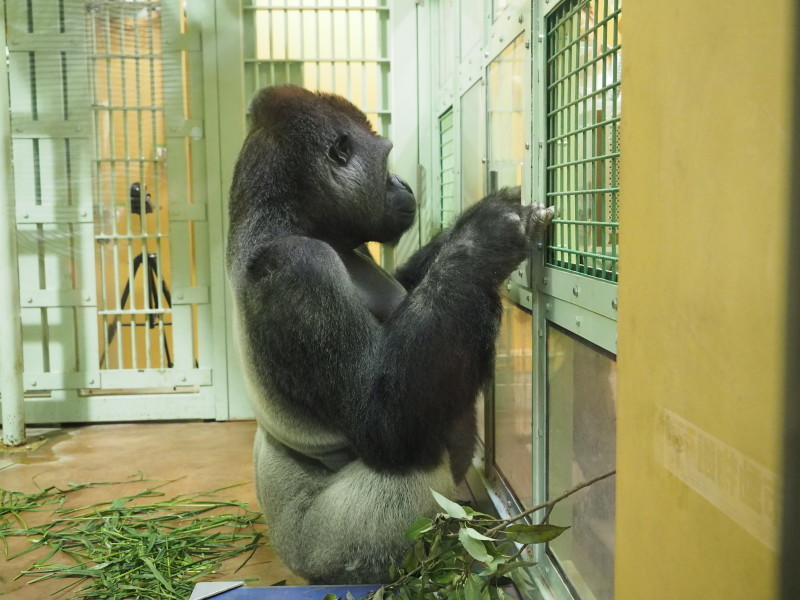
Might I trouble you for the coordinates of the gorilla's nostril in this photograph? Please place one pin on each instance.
(398, 181)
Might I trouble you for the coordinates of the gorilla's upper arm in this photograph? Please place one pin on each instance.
(308, 332)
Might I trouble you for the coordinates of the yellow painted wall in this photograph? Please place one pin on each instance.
(705, 198)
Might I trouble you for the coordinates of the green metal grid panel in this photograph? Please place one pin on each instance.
(338, 46)
(447, 163)
(583, 97)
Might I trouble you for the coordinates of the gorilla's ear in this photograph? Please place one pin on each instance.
(341, 149)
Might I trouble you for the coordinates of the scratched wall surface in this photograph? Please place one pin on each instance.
(701, 362)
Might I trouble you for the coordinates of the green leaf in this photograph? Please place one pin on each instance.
(476, 535)
(503, 595)
(481, 584)
(434, 549)
(472, 590)
(492, 564)
(410, 559)
(151, 565)
(451, 508)
(475, 548)
(534, 534)
(456, 594)
(418, 528)
(330, 597)
(119, 503)
(443, 577)
(508, 567)
(378, 594)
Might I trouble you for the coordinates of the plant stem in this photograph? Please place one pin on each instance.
(549, 504)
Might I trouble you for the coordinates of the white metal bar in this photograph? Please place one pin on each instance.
(178, 186)
(67, 406)
(11, 390)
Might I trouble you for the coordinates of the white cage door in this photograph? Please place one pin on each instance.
(109, 155)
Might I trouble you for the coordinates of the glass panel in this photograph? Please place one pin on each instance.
(582, 384)
(446, 36)
(498, 6)
(514, 401)
(471, 25)
(473, 145)
(506, 116)
(584, 104)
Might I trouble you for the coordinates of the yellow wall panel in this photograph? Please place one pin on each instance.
(704, 204)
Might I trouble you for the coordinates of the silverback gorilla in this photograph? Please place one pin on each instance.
(363, 384)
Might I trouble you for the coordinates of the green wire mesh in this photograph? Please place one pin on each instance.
(583, 116)
(447, 145)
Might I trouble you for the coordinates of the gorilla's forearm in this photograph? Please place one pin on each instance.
(410, 273)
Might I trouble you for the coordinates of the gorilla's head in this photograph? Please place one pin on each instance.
(315, 158)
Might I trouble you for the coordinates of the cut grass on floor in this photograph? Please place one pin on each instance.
(132, 547)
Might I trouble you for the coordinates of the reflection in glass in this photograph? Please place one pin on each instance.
(582, 444)
(506, 115)
(471, 25)
(499, 6)
(446, 36)
(513, 401)
(473, 145)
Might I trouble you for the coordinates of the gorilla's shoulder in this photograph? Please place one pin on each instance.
(293, 255)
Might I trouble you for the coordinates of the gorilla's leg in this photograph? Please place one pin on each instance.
(343, 526)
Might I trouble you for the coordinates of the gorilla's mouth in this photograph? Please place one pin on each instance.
(407, 210)
(406, 206)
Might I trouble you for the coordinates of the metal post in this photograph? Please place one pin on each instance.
(11, 389)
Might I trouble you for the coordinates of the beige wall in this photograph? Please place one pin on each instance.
(703, 310)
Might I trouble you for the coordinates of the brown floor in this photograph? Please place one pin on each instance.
(206, 456)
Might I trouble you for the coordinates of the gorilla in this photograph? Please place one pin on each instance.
(363, 383)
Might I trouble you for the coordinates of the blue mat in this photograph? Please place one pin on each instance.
(306, 592)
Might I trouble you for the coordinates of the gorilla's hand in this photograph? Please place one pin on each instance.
(492, 237)
(536, 218)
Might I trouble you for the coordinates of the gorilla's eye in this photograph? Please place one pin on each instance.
(341, 149)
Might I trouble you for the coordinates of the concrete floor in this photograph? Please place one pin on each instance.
(206, 456)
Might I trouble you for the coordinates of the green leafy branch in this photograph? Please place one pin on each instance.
(463, 554)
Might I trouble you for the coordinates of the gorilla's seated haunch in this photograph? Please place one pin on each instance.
(363, 383)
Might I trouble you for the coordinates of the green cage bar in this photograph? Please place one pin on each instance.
(583, 95)
(447, 161)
